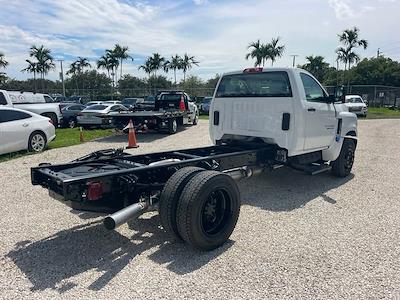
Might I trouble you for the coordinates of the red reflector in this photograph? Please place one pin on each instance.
(182, 104)
(95, 190)
(253, 70)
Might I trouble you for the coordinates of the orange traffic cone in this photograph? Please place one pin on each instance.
(81, 138)
(131, 136)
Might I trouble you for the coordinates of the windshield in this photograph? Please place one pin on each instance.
(266, 84)
(171, 97)
(354, 100)
(96, 107)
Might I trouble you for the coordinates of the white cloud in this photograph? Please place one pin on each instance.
(200, 2)
(217, 33)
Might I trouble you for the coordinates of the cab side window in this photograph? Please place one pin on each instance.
(314, 92)
(3, 100)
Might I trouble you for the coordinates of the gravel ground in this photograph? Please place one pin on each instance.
(297, 237)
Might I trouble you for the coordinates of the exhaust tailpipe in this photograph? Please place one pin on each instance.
(124, 215)
(244, 172)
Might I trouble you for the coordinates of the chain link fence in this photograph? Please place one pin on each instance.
(375, 95)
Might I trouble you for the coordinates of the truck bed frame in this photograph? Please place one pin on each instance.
(109, 180)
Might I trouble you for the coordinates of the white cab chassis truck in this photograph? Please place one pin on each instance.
(260, 119)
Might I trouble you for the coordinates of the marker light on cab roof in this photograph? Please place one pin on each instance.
(253, 70)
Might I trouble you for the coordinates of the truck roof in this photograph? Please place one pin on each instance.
(264, 69)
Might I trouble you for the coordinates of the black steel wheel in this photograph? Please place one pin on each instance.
(169, 198)
(208, 210)
(341, 167)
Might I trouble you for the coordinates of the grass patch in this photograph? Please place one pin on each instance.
(382, 113)
(65, 137)
(68, 137)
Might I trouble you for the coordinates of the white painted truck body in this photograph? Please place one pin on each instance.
(33, 102)
(257, 112)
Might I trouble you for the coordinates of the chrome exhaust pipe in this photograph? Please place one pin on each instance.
(244, 172)
(124, 215)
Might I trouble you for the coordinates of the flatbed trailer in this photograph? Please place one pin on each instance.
(150, 119)
(178, 183)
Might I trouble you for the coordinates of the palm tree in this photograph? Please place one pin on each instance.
(32, 68)
(82, 63)
(113, 61)
(74, 70)
(104, 63)
(121, 52)
(350, 39)
(187, 63)
(316, 65)
(44, 59)
(175, 64)
(147, 67)
(3, 62)
(256, 52)
(157, 62)
(275, 51)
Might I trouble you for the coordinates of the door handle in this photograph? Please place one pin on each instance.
(312, 109)
(25, 124)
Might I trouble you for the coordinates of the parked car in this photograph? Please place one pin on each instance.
(147, 104)
(96, 115)
(131, 102)
(205, 106)
(356, 105)
(70, 113)
(112, 102)
(93, 103)
(78, 99)
(21, 130)
(41, 104)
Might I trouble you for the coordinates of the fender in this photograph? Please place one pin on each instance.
(348, 129)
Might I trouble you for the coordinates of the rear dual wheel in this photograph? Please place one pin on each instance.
(205, 208)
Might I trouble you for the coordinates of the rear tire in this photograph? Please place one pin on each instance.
(195, 119)
(208, 210)
(172, 126)
(37, 141)
(169, 199)
(341, 167)
(71, 123)
(52, 117)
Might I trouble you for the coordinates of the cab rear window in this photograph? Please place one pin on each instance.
(265, 84)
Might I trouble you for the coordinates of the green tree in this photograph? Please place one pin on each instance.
(147, 67)
(274, 50)
(3, 62)
(188, 61)
(175, 64)
(157, 62)
(257, 52)
(351, 40)
(104, 63)
(44, 60)
(121, 53)
(316, 65)
(32, 68)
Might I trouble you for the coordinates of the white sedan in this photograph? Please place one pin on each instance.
(21, 130)
(96, 115)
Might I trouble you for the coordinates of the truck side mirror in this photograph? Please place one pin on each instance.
(339, 93)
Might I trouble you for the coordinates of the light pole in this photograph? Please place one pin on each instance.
(62, 76)
(294, 59)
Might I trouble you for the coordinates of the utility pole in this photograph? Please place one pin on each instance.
(62, 76)
(378, 53)
(294, 59)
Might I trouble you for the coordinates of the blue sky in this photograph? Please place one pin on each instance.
(216, 32)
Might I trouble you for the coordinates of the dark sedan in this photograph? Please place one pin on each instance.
(70, 112)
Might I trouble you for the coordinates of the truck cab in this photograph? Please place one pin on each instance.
(286, 107)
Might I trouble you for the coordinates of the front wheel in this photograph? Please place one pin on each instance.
(71, 123)
(208, 210)
(195, 119)
(341, 167)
